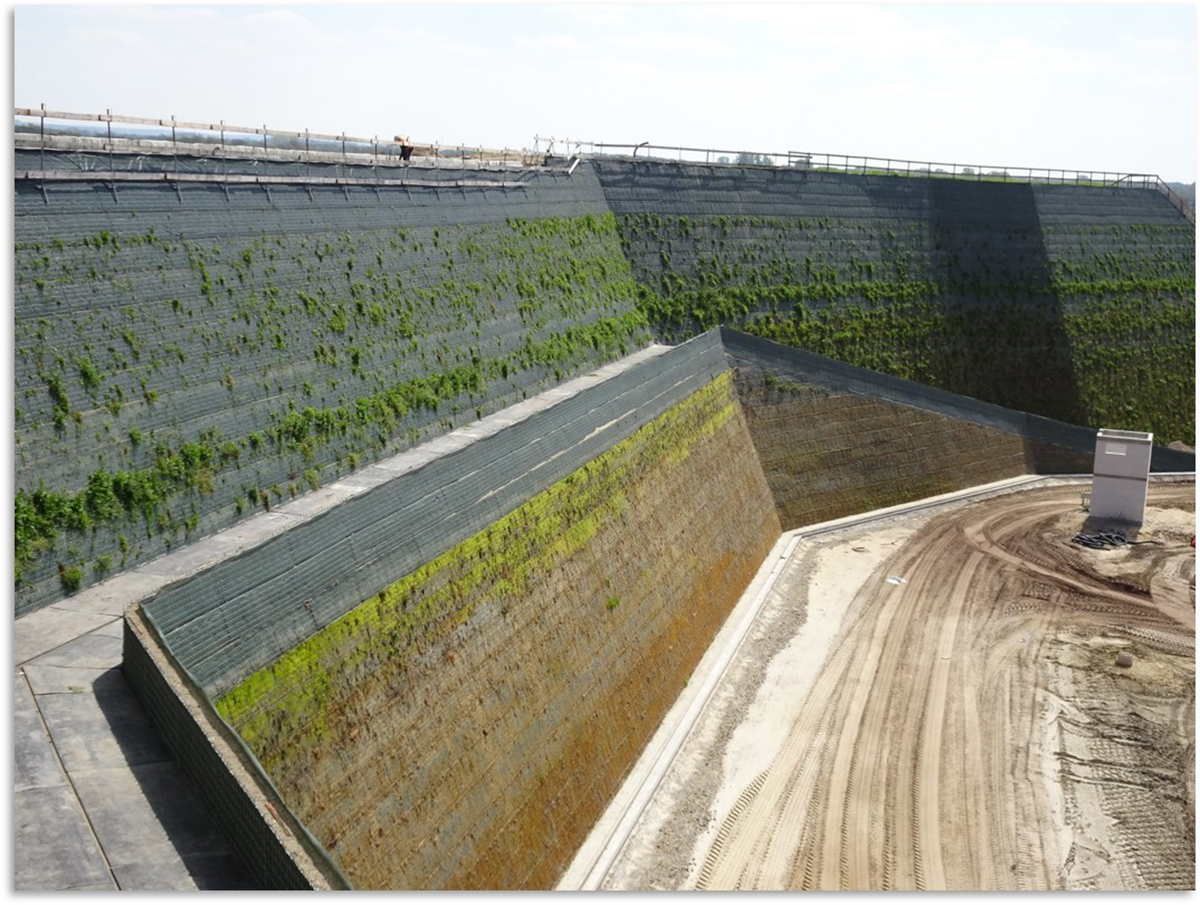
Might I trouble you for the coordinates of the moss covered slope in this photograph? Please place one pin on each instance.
(465, 727)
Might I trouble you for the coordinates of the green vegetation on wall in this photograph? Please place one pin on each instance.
(1090, 325)
(203, 379)
(174, 381)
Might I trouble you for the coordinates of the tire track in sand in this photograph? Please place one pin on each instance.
(928, 719)
(866, 656)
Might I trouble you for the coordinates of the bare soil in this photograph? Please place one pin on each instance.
(963, 725)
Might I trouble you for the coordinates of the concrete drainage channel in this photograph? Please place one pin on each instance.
(599, 853)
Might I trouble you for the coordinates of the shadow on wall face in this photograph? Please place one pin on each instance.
(989, 254)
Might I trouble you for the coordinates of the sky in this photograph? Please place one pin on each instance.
(1088, 86)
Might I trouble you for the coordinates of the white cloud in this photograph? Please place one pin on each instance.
(816, 66)
(636, 80)
(157, 15)
(1159, 81)
(1022, 58)
(282, 25)
(655, 41)
(866, 31)
(638, 69)
(549, 42)
(792, 20)
(1153, 45)
(594, 13)
(121, 37)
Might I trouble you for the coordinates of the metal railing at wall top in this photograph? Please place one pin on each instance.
(1149, 181)
(861, 165)
(227, 139)
(47, 123)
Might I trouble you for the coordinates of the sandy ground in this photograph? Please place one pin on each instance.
(960, 726)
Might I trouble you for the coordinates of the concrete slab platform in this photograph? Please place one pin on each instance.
(188, 872)
(109, 598)
(445, 445)
(35, 765)
(106, 729)
(475, 431)
(68, 679)
(256, 530)
(146, 820)
(499, 422)
(366, 478)
(54, 845)
(522, 410)
(119, 802)
(404, 464)
(114, 629)
(92, 651)
(39, 632)
(190, 559)
(318, 501)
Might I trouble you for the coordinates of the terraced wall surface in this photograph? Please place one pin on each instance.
(828, 454)
(236, 617)
(835, 440)
(1072, 302)
(189, 354)
(448, 675)
(464, 726)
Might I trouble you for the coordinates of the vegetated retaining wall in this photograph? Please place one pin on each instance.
(428, 675)
(237, 617)
(447, 676)
(187, 354)
(465, 727)
(828, 455)
(1072, 302)
(835, 440)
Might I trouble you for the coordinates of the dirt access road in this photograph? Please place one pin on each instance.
(960, 726)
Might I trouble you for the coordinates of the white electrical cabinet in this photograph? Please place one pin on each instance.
(1120, 476)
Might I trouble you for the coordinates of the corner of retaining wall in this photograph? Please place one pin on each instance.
(271, 841)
